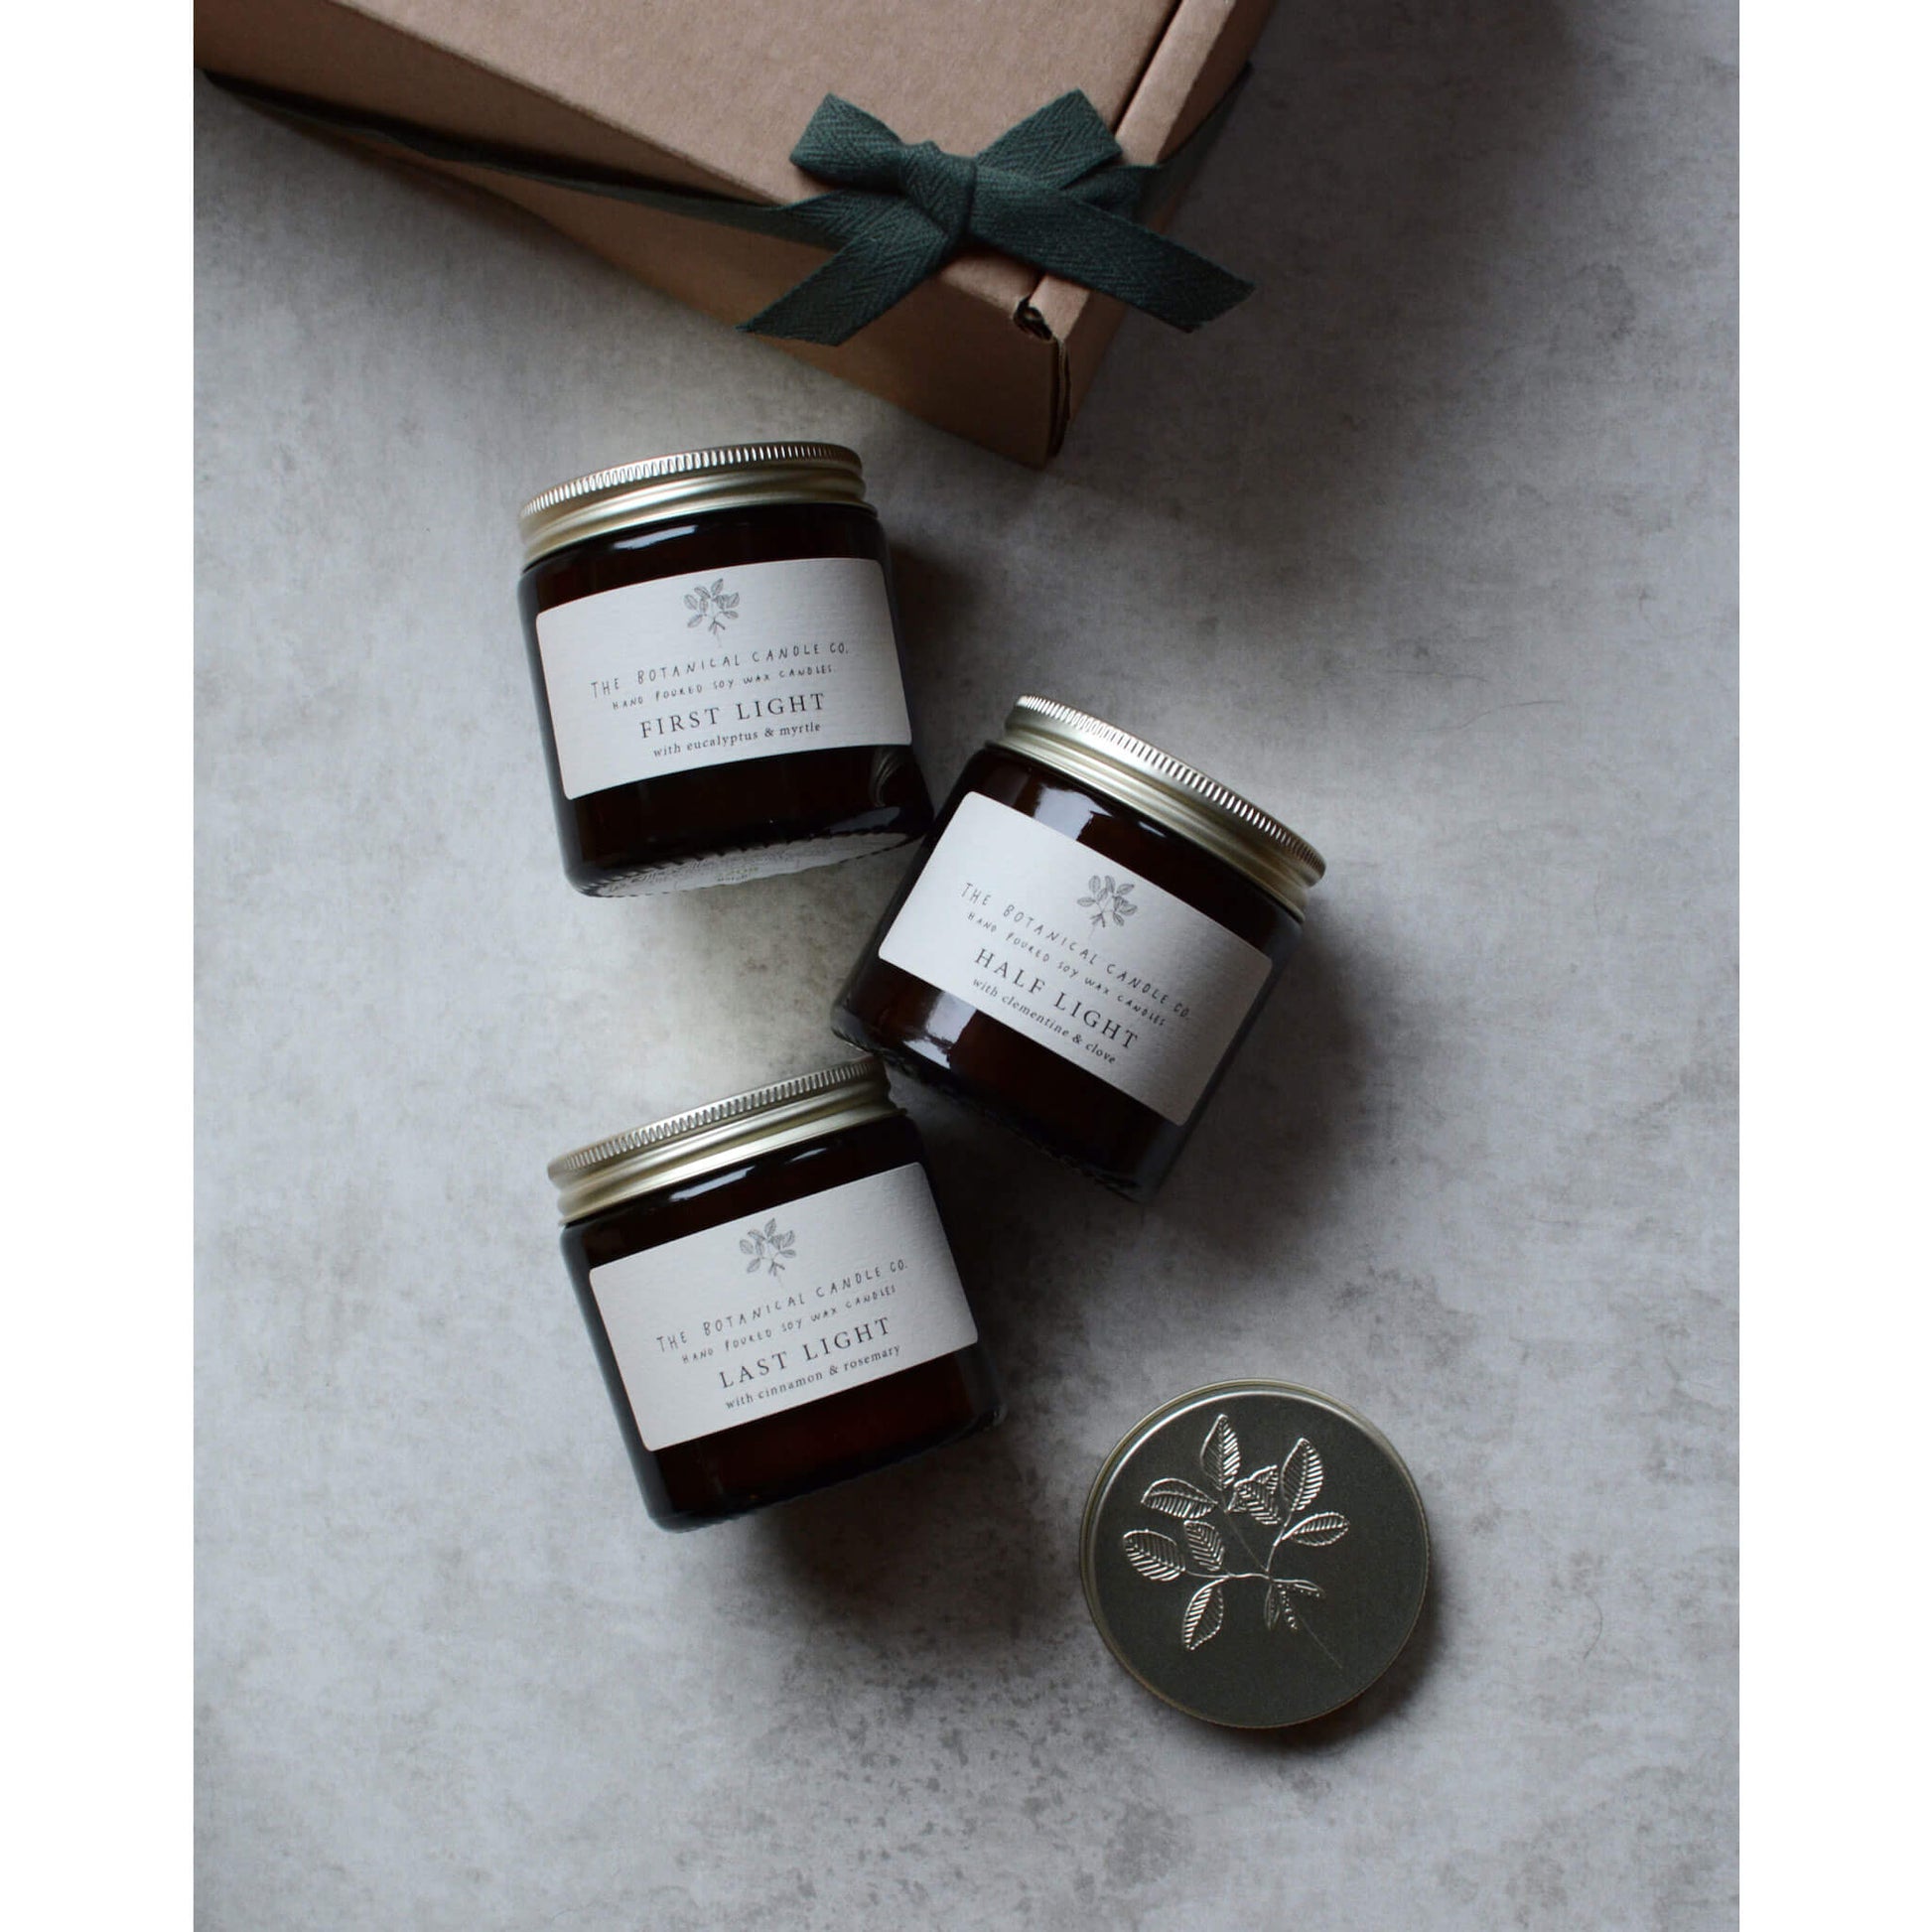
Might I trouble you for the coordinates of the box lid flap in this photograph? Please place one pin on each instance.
(727, 85)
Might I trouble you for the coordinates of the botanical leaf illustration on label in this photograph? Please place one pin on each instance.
(710, 605)
(1216, 1536)
(1109, 901)
(768, 1248)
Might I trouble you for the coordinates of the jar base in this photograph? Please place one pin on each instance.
(934, 1074)
(734, 868)
(771, 1495)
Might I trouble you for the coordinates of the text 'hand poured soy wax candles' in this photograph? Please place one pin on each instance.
(713, 641)
(771, 1295)
(1087, 936)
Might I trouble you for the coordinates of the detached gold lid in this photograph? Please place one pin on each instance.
(1167, 790)
(738, 476)
(701, 1140)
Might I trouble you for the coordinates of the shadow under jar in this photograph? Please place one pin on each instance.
(713, 641)
(771, 1295)
(1082, 945)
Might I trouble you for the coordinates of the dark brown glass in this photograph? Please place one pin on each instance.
(816, 1444)
(948, 1044)
(617, 840)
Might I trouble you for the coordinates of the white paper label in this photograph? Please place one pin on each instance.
(1105, 969)
(740, 664)
(745, 1319)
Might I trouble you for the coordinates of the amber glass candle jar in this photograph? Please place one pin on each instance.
(714, 646)
(1085, 939)
(771, 1295)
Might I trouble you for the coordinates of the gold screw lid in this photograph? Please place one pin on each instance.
(1169, 789)
(687, 482)
(680, 1148)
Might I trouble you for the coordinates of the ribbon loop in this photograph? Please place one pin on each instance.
(1056, 144)
(844, 144)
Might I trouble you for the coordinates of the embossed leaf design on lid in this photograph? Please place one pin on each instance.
(1155, 1556)
(1205, 1544)
(1300, 1477)
(1255, 1496)
(1174, 1497)
(1220, 1454)
(1302, 1545)
(1316, 1531)
(1282, 1592)
(1201, 1618)
(1276, 1496)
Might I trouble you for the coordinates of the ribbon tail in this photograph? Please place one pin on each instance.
(1127, 190)
(879, 267)
(1065, 236)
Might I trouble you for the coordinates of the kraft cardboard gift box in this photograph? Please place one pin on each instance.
(712, 94)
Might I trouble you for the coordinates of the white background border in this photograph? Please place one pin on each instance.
(1836, 1147)
(95, 1423)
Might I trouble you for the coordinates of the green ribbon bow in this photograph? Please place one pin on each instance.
(1052, 192)
(1047, 191)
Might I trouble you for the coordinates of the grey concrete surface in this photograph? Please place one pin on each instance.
(1430, 546)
